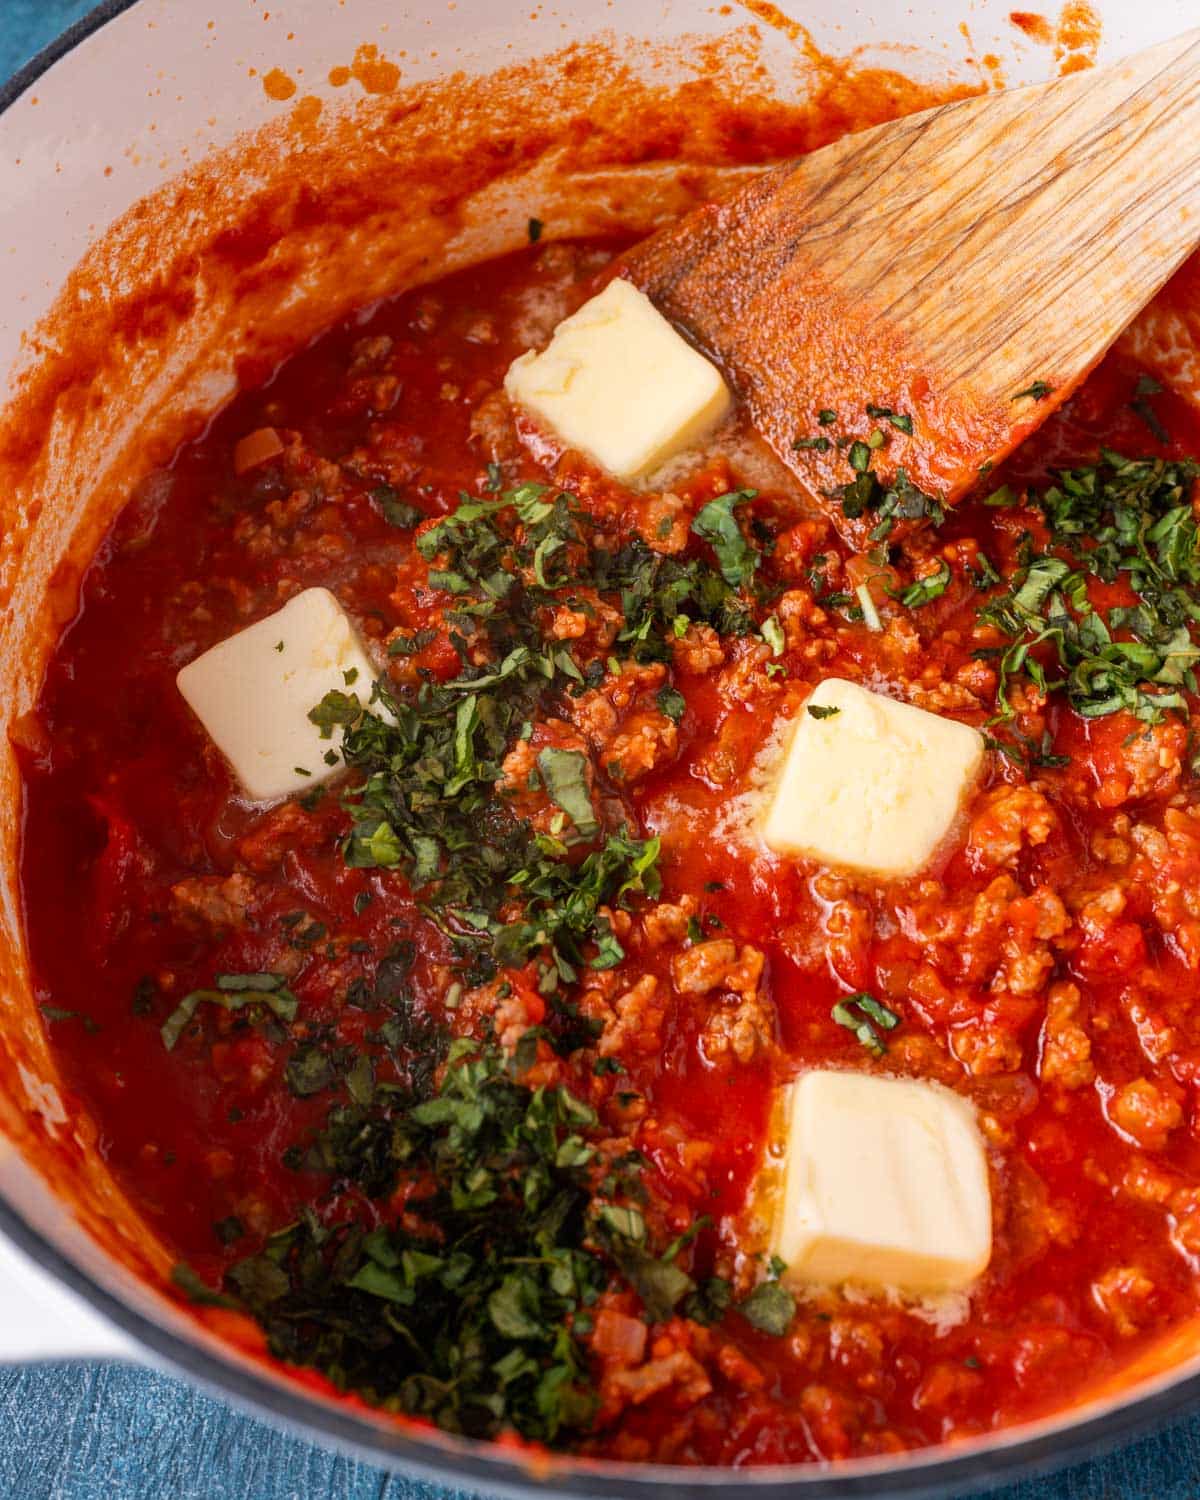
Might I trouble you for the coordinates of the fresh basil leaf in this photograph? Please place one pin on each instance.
(564, 774)
(716, 524)
(770, 1308)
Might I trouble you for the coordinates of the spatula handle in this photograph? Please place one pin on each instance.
(942, 263)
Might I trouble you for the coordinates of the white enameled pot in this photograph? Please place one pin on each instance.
(124, 107)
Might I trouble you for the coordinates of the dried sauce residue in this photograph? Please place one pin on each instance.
(305, 114)
(278, 85)
(775, 19)
(1075, 36)
(375, 74)
(1036, 28)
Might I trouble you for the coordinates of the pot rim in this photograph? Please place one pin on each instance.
(1003, 1457)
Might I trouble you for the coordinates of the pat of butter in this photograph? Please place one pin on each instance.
(868, 783)
(253, 692)
(885, 1185)
(618, 383)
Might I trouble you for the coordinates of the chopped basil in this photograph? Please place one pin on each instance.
(823, 710)
(198, 1290)
(308, 1071)
(924, 590)
(716, 524)
(564, 773)
(1001, 499)
(772, 633)
(233, 992)
(1121, 518)
(336, 709)
(671, 702)
(57, 1013)
(899, 420)
(770, 1308)
(471, 1313)
(862, 1014)
(229, 1230)
(409, 645)
(1039, 390)
(396, 512)
(1145, 388)
(899, 500)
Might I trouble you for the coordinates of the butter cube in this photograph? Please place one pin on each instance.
(618, 383)
(870, 784)
(253, 692)
(885, 1185)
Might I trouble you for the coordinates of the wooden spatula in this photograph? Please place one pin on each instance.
(963, 268)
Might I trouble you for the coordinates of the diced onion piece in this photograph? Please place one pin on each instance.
(257, 447)
(619, 1337)
(870, 613)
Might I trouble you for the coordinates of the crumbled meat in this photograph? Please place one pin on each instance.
(698, 650)
(1125, 1294)
(1006, 820)
(668, 922)
(585, 620)
(1142, 759)
(632, 1023)
(1066, 1047)
(663, 522)
(704, 966)
(647, 741)
(284, 828)
(599, 713)
(801, 617)
(1146, 1112)
(745, 678)
(742, 1031)
(493, 428)
(216, 903)
(985, 1047)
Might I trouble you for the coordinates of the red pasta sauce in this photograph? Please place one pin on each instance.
(1045, 966)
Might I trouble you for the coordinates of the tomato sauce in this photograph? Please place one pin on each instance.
(1045, 966)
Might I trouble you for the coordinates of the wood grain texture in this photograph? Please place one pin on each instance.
(939, 264)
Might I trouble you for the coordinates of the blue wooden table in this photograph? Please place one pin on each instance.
(111, 1432)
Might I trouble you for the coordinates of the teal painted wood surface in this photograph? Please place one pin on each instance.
(115, 1432)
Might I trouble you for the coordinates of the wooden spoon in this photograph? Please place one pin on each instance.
(964, 267)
